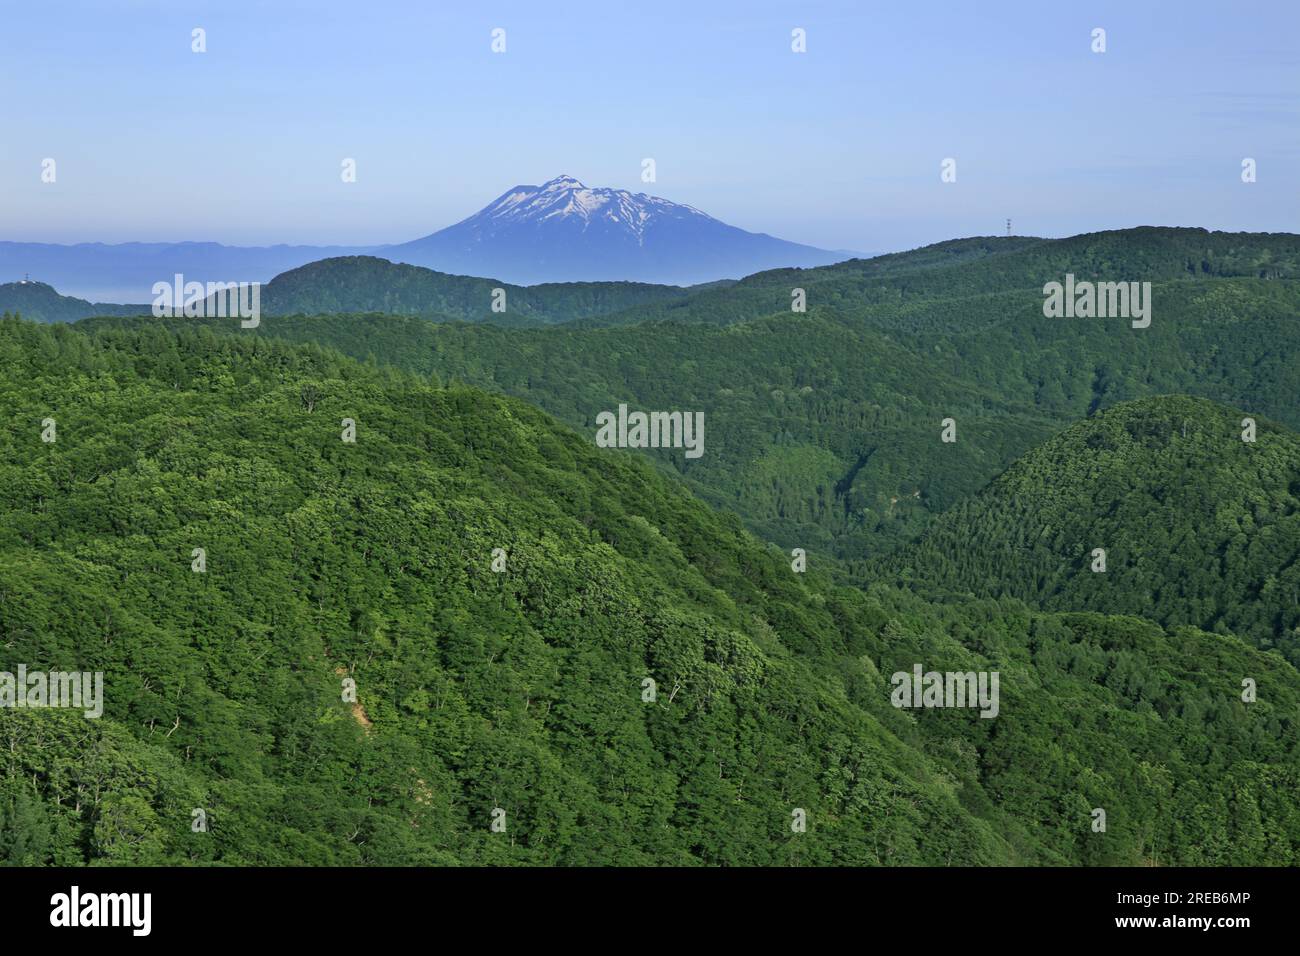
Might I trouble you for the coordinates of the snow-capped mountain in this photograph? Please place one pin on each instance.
(564, 231)
(558, 231)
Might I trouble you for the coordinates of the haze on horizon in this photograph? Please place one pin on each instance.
(839, 147)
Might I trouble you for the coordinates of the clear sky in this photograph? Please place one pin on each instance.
(839, 147)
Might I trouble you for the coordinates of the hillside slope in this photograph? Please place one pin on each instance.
(522, 690)
(1199, 527)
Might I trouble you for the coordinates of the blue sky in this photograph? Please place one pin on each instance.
(839, 147)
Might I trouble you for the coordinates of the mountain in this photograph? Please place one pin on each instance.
(40, 302)
(1199, 527)
(563, 231)
(518, 693)
(370, 284)
(560, 231)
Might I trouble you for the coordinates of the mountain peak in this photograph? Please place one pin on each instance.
(561, 182)
(29, 283)
(566, 231)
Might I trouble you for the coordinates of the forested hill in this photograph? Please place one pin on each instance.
(40, 302)
(521, 689)
(1198, 525)
(897, 292)
(824, 427)
(370, 284)
(890, 285)
(900, 291)
(810, 435)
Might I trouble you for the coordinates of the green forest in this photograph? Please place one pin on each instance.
(1221, 550)
(571, 655)
(826, 422)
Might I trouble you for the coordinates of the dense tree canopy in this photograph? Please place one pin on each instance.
(522, 689)
(1199, 526)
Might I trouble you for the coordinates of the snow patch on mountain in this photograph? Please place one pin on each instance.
(566, 198)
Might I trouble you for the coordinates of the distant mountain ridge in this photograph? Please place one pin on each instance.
(371, 284)
(561, 231)
(354, 284)
(993, 266)
(565, 231)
